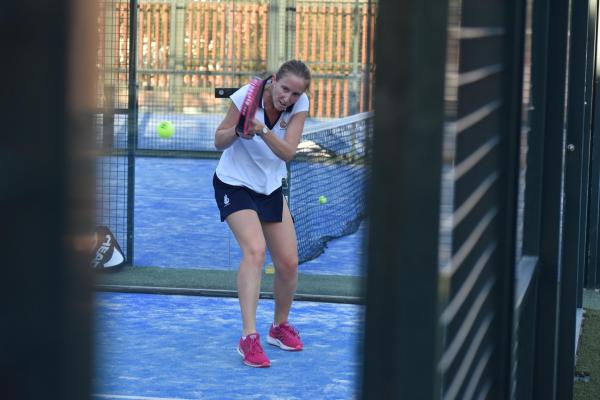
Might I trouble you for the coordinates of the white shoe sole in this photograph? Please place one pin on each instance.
(247, 363)
(279, 343)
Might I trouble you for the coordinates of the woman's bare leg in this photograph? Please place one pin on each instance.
(281, 240)
(247, 230)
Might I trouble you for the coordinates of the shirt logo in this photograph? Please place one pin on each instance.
(225, 200)
(283, 124)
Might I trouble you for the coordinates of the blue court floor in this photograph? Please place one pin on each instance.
(158, 347)
(177, 223)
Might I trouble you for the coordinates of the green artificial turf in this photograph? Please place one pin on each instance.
(587, 381)
(223, 280)
(591, 299)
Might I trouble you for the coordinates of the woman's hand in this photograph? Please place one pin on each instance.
(249, 135)
(256, 128)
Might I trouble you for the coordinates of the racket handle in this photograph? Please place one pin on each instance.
(239, 128)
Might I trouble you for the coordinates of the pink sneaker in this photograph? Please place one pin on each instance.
(252, 352)
(285, 336)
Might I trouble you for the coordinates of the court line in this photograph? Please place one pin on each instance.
(117, 396)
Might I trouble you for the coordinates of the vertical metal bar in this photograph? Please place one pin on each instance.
(286, 185)
(348, 46)
(202, 55)
(108, 115)
(47, 198)
(591, 261)
(552, 202)
(592, 278)
(277, 39)
(176, 52)
(401, 338)
(355, 84)
(525, 323)
(535, 153)
(367, 67)
(320, 33)
(575, 195)
(290, 25)
(509, 182)
(221, 13)
(590, 51)
(527, 266)
(132, 128)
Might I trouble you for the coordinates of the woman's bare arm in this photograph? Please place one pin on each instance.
(286, 148)
(225, 134)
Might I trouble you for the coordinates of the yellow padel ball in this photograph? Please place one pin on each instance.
(165, 129)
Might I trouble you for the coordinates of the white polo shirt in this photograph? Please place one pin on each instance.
(252, 163)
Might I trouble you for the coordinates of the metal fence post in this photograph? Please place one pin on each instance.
(551, 238)
(592, 273)
(132, 127)
(176, 54)
(277, 35)
(576, 177)
(290, 12)
(400, 352)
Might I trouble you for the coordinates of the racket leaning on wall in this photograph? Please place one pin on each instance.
(249, 106)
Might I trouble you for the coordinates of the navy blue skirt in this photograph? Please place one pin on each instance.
(232, 198)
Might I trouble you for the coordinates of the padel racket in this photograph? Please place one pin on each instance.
(249, 107)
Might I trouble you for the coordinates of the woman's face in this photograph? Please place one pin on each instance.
(287, 90)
